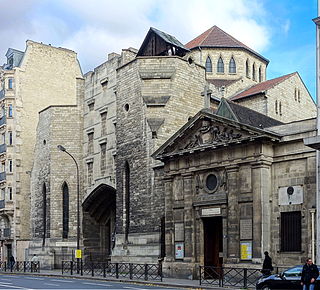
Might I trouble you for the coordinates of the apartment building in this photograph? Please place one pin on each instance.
(32, 80)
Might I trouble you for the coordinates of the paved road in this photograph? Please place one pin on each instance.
(31, 282)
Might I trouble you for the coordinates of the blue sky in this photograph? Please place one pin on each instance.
(280, 30)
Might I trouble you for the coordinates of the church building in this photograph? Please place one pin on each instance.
(189, 155)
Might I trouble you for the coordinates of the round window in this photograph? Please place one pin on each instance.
(211, 182)
(126, 107)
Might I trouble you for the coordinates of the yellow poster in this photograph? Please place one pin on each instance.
(78, 254)
(246, 250)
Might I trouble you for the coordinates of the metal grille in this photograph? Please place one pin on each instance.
(117, 270)
(291, 231)
(234, 277)
(20, 266)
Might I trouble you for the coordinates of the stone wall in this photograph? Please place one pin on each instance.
(47, 76)
(58, 125)
(247, 198)
(282, 103)
(155, 97)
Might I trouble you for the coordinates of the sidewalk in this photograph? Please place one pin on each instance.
(168, 282)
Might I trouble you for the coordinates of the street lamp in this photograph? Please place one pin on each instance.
(78, 254)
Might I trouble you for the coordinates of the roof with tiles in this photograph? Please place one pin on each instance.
(216, 37)
(247, 116)
(261, 87)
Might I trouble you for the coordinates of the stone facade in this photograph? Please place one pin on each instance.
(138, 209)
(99, 152)
(32, 80)
(142, 85)
(53, 175)
(242, 78)
(222, 196)
(148, 98)
(286, 101)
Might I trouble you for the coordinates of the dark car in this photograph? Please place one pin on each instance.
(288, 279)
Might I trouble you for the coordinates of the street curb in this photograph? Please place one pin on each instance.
(148, 283)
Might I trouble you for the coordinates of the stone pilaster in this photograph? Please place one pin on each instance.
(261, 188)
(233, 252)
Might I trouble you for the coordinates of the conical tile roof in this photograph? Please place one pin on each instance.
(216, 37)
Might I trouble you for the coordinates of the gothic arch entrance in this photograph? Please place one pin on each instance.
(99, 210)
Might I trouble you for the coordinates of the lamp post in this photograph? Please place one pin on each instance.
(61, 148)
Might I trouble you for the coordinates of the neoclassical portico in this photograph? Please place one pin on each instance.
(222, 202)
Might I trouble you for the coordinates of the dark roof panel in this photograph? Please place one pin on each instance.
(158, 43)
(247, 116)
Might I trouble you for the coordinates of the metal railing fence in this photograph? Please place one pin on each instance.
(230, 277)
(20, 266)
(117, 270)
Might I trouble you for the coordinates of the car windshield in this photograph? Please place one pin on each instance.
(293, 272)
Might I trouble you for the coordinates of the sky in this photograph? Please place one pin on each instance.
(280, 30)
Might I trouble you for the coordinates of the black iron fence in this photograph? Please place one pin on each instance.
(20, 266)
(117, 270)
(231, 277)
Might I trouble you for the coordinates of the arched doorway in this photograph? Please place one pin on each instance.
(99, 209)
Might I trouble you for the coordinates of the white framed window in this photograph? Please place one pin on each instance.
(10, 165)
(10, 111)
(10, 83)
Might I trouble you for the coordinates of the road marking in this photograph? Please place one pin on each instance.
(16, 287)
(32, 278)
(96, 284)
(51, 284)
(64, 281)
(135, 288)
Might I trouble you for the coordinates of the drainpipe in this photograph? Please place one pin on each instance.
(317, 22)
(312, 212)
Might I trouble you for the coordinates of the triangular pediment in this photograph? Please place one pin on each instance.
(210, 131)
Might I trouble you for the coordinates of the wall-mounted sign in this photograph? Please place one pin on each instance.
(291, 195)
(78, 254)
(246, 229)
(66, 244)
(211, 211)
(246, 250)
(179, 250)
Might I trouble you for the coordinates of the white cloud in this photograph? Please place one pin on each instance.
(286, 26)
(95, 28)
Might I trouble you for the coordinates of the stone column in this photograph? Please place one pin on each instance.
(169, 225)
(233, 252)
(261, 189)
(188, 218)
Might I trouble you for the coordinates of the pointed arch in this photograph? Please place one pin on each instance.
(127, 199)
(44, 213)
(247, 68)
(254, 72)
(208, 64)
(260, 74)
(232, 66)
(65, 210)
(220, 65)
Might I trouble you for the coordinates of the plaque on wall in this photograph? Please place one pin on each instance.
(245, 229)
(246, 250)
(179, 250)
(211, 211)
(179, 232)
(291, 195)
